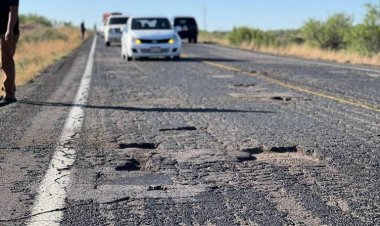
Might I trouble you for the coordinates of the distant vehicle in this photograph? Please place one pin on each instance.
(150, 37)
(113, 28)
(189, 28)
(106, 15)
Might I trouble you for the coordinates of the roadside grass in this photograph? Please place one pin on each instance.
(40, 47)
(297, 50)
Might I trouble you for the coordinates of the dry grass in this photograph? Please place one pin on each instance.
(303, 51)
(33, 57)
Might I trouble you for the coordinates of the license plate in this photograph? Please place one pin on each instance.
(155, 50)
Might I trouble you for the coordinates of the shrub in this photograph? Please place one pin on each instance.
(332, 34)
(240, 35)
(365, 38)
(35, 19)
(258, 37)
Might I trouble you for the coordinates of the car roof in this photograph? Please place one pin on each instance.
(147, 17)
(118, 16)
(184, 17)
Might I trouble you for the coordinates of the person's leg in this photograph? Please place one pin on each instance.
(8, 49)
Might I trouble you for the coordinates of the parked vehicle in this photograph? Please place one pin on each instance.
(113, 28)
(150, 37)
(189, 28)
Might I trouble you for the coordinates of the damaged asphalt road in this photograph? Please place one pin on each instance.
(221, 137)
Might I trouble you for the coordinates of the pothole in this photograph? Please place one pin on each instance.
(281, 98)
(284, 149)
(243, 85)
(260, 150)
(157, 188)
(253, 151)
(186, 128)
(242, 156)
(149, 146)
(286, 155)
(129, 165)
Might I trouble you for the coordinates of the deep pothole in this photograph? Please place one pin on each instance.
(148, 146)
(260, 150)
(279, 98)
(185, 128)
(129, 165)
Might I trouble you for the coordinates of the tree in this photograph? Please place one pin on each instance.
(331, 34)
(365, 37)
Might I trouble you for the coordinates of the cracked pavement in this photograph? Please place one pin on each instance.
(187, 143)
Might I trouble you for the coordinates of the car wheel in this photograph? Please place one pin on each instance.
(190, 40)
(129, 58)
(108, 44)
(195, 40)
(176, 57)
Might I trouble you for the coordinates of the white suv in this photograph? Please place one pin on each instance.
(113, 29)
(150, 37)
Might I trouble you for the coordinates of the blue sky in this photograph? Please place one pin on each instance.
(221, 14)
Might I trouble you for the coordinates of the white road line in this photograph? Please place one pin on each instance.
(50, 201)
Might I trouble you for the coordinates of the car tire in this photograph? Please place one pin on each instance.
(108, 44)
(195, 40)
(176, 58)
(129, 58)
(190, 40)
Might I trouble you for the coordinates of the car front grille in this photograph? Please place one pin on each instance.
(154, 41)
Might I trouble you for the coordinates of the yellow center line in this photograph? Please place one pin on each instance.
(344, 100)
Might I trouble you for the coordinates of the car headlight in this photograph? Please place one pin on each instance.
(136, 41)
(173, 40)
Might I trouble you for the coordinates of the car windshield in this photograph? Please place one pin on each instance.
(151, 24)
(118, 20)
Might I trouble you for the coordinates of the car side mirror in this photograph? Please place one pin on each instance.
(178, 29)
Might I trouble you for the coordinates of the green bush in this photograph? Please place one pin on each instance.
(36, 20)
(240, 35)
(332, 34)
(365, 38)
(258, 37)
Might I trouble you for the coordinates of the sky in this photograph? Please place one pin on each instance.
(214, 15)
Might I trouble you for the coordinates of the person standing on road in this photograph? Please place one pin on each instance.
(9, 34)
(83, 29)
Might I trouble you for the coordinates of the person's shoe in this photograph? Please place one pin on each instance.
(7, 101)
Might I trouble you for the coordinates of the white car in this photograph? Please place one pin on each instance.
(150, 37)
(113, 28)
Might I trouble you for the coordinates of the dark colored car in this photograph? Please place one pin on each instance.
(189, 28)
